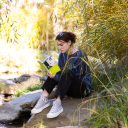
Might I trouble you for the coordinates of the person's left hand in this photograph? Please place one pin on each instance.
(50, 75)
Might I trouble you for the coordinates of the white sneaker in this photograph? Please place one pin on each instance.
(41, 104)
(55, 110)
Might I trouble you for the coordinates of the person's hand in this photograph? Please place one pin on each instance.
(50, 75)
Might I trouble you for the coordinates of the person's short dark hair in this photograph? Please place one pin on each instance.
(66, 36)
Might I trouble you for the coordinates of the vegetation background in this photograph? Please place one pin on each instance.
(28, 30)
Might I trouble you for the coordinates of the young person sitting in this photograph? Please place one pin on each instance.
(73, 80)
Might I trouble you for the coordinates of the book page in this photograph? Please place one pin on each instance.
(50, 62)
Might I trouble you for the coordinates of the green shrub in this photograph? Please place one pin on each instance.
(113, 111)
(22, 91)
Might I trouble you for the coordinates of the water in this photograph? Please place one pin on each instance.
(9, 75)
(15, 75)
(18, 123)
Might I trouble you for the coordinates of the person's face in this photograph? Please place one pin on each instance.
(63, 46)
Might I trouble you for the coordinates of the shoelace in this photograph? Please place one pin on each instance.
(54, 106)
(43, 99)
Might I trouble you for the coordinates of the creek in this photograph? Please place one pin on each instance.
(18, 123)
(15, 75)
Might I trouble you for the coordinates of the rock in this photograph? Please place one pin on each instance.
(25, 77)
(76, 111)
(98, 66)
(105, 68)
(10, 86)
(27, 100)
(73, 127)
(11, 111)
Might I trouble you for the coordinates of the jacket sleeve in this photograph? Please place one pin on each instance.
(57, 77)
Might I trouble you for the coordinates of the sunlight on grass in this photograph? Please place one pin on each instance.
(39, 125)
(23, 59)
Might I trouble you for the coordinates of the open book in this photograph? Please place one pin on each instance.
(50, 65)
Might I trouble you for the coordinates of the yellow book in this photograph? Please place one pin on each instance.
(50, 65)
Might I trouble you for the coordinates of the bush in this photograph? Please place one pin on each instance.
(22, 91)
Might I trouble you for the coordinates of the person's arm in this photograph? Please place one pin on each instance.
(57, 76)
(86, 67)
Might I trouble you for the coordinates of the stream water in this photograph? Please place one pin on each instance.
(18, 123)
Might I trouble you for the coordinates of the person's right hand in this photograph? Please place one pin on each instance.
(50, 75)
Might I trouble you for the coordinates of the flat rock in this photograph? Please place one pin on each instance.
(9, 112)
(12, 110)
(73, 127)
(28, 99)
(76, 111)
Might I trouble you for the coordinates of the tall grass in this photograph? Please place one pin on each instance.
(100, 24)
(112, 112)
(111, 87)
(102, 31)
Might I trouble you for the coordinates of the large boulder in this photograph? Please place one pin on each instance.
(12, 110)
(9, 112)
(105, 68)
(10, 86)
(76, 111)
(26, 77)
(72, 127)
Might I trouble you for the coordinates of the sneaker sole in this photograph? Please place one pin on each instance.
(54, 115)
(39, 110)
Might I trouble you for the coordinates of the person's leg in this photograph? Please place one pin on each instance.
(48, 86)
(43, 102)
(69, 84)
(45, 93)
(56, 108)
